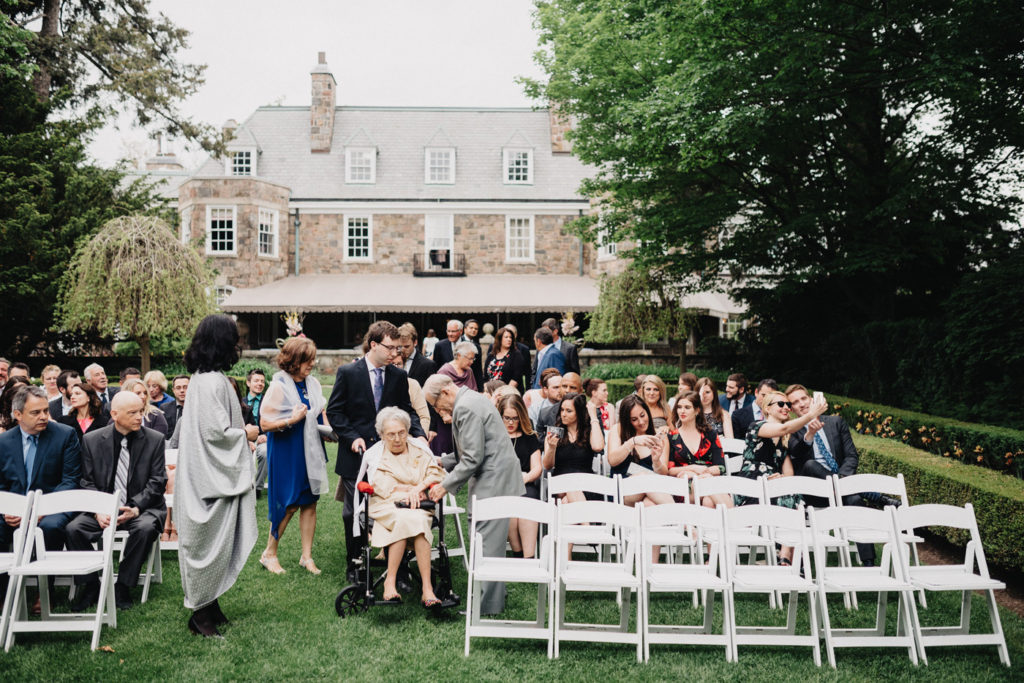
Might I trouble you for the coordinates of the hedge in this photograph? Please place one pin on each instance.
(997, 448)
(998, 500)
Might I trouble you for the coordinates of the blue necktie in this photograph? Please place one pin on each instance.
(30, 459)
(825, 453)
(378, 386)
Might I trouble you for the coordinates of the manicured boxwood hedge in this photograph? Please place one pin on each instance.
(997, 448)
(998, 500)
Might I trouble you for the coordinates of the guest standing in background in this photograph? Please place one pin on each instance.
(214, 499)
(429, 342)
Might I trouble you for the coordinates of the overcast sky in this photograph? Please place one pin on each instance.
(382, 52)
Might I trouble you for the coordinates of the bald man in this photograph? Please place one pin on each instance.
(128, 459)
(572, 383)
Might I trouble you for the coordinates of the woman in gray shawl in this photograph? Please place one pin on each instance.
(214, 500)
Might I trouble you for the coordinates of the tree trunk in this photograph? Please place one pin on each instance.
(47, 36)
(144, 352)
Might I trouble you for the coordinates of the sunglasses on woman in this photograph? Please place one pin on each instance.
(781, 404)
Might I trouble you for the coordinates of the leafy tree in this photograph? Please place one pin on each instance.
(135, 279)
(108, 56)
(640, 305)
(842, 162)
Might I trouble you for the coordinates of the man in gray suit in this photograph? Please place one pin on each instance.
(485, 453)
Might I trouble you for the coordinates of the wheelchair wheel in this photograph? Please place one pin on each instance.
(351, 601)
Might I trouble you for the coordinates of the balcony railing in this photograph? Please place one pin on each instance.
(439, 263)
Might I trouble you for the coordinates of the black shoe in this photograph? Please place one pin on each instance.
(889, 500)
(216, 615)
(867, 563)
(122, 596)
(90, 596)
(201, 626)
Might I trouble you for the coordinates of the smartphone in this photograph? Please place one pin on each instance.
(557, 431)
(818, 397)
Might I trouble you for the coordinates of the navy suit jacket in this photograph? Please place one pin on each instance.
(725, 402)
(352, 415)
(443, 352)
(421, 368)
(840, 443)
(572, 355)
(553, 358)
(58, 463)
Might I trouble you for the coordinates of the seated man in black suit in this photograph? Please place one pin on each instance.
(61, 406)
(38, 454)
(823, 448)
(124, 458)
(361, 389)
(748, 415)
(416, 365)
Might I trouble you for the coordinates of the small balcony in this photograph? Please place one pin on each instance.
(439, 263)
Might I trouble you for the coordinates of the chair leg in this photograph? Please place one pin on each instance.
(470, 604)
(16, 604)
(911, 626)
(626, 596)
(542, 597)
(812, 599)
(997, 627)
(826, 623)
(462, 541)
(791, 612)
(917, 563)
(965, 612)
(880, 613)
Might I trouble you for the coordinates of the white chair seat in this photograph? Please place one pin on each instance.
(598, 574)
(770, 578)
(6, 561)
(683, 577)
(861, 579)
(951, 578)
(505, 568)
(590, 534)
(668, 536)
(868, 536)
(74, 562)
(786, 537)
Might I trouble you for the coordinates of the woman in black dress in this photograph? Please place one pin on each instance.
(580, 440)
(86, 411)
(503, 359)
(522, 533)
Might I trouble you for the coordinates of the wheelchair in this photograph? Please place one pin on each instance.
(362, 595)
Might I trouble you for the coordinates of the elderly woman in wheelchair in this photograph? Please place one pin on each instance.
(401, 470)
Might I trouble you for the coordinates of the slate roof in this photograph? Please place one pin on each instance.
(401, 134)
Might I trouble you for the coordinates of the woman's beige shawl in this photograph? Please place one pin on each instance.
(283, 395)
(390, 523)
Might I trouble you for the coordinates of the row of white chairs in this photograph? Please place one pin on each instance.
(30, 561)
(716, 534)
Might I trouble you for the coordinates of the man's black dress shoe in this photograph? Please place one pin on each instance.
(90, 595)
(201, 626)
(122, 596)
(216, 615)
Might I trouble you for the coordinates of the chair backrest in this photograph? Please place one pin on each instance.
(732, 446)
(839, 520)
(75, 500)
(15, 504)
(913, 517)
(586, 482)
(742, 486)
(733, 464)
(708, 525)
(655, 483)
(506, 507)
(625, 520)
(864, 483)
(170, 457)
(769, 518)
(806, 486)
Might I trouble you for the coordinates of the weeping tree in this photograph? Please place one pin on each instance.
(134, 279)
(641, 305)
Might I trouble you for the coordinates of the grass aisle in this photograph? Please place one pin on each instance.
(285, 628)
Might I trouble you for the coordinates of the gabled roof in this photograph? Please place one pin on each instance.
(400, 134)
(243, 138)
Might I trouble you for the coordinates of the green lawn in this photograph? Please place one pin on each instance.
(285, 628)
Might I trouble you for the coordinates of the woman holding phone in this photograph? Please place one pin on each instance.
(570, 446)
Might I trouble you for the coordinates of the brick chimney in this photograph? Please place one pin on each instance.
(321, 111)
(560, 125)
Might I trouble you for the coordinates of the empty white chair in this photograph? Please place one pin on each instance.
(732, 446)
(698, 576)
(733, 463)
(539, 570)
(740, 539)
(15, 505)
(152, 572)
(958, 577)
(451, 507)
(670, 537)
(766, 578)
(597, 535)
(888, 577)
(621, 575)
(66, 562)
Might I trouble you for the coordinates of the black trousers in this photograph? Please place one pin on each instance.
(815, 469)
(84, 530)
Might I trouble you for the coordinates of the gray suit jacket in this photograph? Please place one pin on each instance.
(484, 449)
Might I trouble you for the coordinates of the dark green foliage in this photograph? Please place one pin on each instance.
(979, 445)
(669, 373)
(998, 501)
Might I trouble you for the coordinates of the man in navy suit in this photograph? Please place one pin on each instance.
(96, 377)
(38, 454)
(749, 414)
(361, 389)
(735, 396)
(444, 350)
(548, 354)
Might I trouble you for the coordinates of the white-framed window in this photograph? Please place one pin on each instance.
(266, 233)
(606, 247)
(359, 238)
(439, 166)
(439, 241)
(242, 163)
(731, 326)
(519, 239)
(221, 234)
(221, 293)
(518, 165)
(360, 165)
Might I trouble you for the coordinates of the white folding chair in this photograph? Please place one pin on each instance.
(622, 575)
(884, 484)
(539, 570)
(733, 464)
(677, 578)
(732, 446)
(152, 572)
(888, 577)
(170, 460)
(769, 579)
(451, 507)
(15, 505)
(66, 562)
(599, 536)
(957, 577)
(752, 538)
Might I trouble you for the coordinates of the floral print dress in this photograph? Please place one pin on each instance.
(762, 456)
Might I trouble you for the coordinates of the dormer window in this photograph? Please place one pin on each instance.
(518, 165)
(439, 166)
(360, 165)
(241, 162)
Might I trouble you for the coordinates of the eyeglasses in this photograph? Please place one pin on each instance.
(781, 404)
(392, 348)
(510, 420)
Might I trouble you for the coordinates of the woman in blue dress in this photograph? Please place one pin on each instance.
(296, 460)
